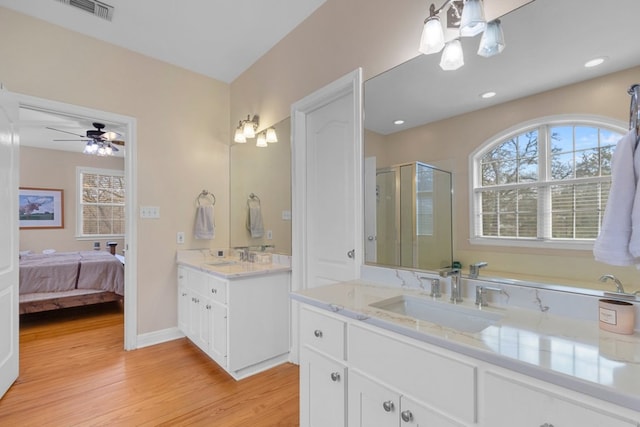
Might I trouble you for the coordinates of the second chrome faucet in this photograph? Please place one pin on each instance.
(456, 285)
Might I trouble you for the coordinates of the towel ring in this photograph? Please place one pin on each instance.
(252, 196)
(207, 196)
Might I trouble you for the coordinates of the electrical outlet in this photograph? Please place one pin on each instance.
(180, 238)
(269, 235)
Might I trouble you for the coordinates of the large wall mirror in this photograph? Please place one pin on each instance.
(266, 174)
(540, 73)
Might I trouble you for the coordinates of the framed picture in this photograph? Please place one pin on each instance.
(41, 208)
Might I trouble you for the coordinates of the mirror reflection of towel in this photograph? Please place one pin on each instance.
(205, 223)
(254, 219)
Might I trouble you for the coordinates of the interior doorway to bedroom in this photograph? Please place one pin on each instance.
(51, 135)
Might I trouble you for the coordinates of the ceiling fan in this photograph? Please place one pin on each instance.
(97, 140)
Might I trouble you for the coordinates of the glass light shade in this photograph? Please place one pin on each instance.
(271, 135)
(472, 21)
(432, 40)
(261, 141)
(452, 57)
(108, 151)
(102, 151)
(239, 136)
(249, 130)
(88, 149)
(492, 42)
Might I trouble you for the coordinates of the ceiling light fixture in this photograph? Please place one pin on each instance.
(398, 122)
(594, 62)
(487, 95)
(467, 17)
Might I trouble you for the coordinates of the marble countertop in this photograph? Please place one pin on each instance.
(227, 267)
(572, 353)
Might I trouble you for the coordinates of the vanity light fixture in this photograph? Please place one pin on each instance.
(470, 22)
(249, 129)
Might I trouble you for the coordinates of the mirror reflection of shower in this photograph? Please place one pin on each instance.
(412, 217)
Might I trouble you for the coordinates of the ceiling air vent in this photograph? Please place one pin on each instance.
(94, 7)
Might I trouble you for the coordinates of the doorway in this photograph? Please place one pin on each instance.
(127, 126)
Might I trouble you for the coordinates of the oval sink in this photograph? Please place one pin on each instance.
(221, 262)
(453, 316)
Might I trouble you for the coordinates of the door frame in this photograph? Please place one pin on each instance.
(130, 242)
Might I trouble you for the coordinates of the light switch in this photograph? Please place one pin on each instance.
(149, 212)
(286, 215)
(180, 237)
(269, 235)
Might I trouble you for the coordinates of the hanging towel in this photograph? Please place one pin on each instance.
(254, 219)
(614, 241)
(634, 240)
(205, 226)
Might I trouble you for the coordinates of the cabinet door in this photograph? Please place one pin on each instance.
(414, 414)
(183, 309)
(322, 391)
(199, 320)
(371, 404)
(218, 333)
(509, 402)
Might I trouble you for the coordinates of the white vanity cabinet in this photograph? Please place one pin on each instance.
(323, 371)
(511, 399)
(393, 381)
(241, 323)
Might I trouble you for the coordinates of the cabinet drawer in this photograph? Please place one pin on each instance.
(446, 383)
(509, 402)
(217, 290)
(322, 332)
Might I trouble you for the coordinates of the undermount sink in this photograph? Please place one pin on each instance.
(452, 316)
(221, 262)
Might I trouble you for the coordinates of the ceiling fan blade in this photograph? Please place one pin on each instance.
(60, 130)
(69, 140)
(117, 142)
(114, 148)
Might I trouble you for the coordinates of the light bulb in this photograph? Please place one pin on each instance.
(261, 141)
(239, 136)
(271, 135)
(452, 57)
(248, 130)
(432, 40)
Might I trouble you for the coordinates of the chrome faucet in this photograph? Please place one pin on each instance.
(474, 269)
(481, 294)
(456, 291)
(619, 287)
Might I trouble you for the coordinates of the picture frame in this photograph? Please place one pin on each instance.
(40, 208)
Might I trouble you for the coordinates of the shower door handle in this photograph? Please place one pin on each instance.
(351, 254)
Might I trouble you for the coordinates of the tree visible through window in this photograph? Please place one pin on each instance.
(101, 202)
(548, 182)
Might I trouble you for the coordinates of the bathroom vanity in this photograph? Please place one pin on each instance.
(367, 359)
(236, 312)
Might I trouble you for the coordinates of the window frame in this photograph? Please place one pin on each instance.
(475, 178)
(79, 190)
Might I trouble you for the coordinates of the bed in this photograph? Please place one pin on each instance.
(69, 279)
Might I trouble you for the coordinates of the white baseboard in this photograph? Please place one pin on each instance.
(158, 337)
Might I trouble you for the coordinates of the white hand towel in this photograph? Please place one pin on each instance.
(205, 223)
(612, 244)
(254, 219)
(634, 240)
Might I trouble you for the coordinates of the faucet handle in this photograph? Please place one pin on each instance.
(435, 288)
(474, 269)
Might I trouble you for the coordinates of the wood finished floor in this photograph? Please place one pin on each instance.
(74, 372)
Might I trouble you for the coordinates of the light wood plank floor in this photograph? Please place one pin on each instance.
(74, 372)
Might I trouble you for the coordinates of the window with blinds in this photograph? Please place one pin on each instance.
(548, 182)
(101, 203)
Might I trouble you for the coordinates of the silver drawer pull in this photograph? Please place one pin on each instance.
(208, 306)
(388, 406)
(214, 291)
(406, 416)
(335, 376)
(317, 333)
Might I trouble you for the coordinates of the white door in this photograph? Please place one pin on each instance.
(327, 184)
(370, 218)
(9, 315)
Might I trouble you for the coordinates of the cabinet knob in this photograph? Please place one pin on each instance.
(387, 406)
(214, 291)
(184, 294)
(208, 306)
(406, 416)
(351, 254)
(317, 333)
(335, 376)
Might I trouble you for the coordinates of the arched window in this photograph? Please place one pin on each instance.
(543, 183)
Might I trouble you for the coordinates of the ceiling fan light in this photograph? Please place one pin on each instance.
(432, 40)
(452, 57)
(261, 141)
(492, 41)
(88, 148)
(272, 136)
(472, 21)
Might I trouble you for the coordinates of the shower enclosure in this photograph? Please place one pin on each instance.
(413, 217)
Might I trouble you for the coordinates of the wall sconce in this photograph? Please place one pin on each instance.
(246, 129)
(249, 129)
(469, 19)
